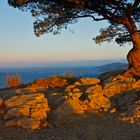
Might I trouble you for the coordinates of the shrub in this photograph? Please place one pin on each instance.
(70, 77)
(13, 80)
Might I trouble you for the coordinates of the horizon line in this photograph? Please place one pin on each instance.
(78, 63)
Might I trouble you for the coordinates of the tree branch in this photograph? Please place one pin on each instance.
(134, 6)
(95, 19)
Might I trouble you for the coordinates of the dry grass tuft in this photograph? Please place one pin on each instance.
(13, 80)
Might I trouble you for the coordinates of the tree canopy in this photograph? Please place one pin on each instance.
(53, 15)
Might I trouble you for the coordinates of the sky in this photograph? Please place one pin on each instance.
(19, 46)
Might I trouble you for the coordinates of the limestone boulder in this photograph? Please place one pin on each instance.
(136, 85)
(16, 112)
(99, 102)
(26, 111)
(78, 83)
(89, 81)
(74, 99)
(118, 85)
(70, 88)
(94, 89)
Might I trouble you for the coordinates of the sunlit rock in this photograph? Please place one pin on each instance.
(26, 111)
(52, 82)
(118, 85)
(94, 89)
(70, 88)
(99, 102)
(136, 85)
(17, 112)
(89, 81)
(78, 83)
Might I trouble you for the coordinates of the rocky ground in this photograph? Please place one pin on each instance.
(66, 109)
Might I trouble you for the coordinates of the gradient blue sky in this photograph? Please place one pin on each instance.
(19, 46)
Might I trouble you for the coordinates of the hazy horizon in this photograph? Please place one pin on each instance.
(79, 63)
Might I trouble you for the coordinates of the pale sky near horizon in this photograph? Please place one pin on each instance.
(19, 45)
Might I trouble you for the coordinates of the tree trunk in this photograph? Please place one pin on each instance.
(133, 56)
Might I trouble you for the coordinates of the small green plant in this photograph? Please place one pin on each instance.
(13, 80)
